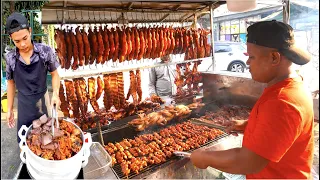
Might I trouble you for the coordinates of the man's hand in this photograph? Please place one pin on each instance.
(236, 125)
(55, 100)
(10, 119)
(198, 160)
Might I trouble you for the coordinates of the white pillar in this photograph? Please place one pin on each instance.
(212, 37)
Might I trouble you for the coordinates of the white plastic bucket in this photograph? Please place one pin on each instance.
(40, 168)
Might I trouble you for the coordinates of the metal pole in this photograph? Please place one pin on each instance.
(31, 24)
(2, 55)
(212, 38)
(286, 11)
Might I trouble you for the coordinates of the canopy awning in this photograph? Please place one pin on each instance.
(101, 11)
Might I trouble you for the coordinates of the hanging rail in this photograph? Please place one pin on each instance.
(101, 71)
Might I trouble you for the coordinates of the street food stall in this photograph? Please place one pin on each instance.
(103, 48)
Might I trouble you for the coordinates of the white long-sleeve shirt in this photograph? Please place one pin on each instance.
(161, 81)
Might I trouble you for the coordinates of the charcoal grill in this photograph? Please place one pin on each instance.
(218, 90)
(149, 169)
(116, 135)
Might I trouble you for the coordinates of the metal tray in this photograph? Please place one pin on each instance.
(98, 163)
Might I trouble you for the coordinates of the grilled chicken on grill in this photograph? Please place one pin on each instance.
(156, 148)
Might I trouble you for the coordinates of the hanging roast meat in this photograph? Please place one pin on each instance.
(80, 97)
(133, 88)
(84, 93)
(100, 44)
(114, 90)
(112, 43)
(93, 45)
(117, 44)
(123, 45)
(120, 84)
(69, 49)
(64, 104)
(100, 87)
(92, 94)
(86, 44)
(106, 45)
(107, 98)
(75, 49)
(61, 47)
(72, 99)
(80, 43)
(139, 89)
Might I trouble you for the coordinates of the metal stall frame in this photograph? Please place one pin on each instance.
(189, 10)
(286, 11)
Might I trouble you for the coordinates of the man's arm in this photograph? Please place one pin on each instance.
(55, 82)
(53, 64)
(234, 161)
(11, 91)
(152, 82)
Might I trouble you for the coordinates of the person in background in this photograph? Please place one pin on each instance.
(27, 66)
(160, 79)
(278, 139)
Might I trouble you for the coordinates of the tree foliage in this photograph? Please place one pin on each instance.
(11, 6)
(19, 6)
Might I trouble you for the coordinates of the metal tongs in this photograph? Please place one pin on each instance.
(54, 119)
(182, 154)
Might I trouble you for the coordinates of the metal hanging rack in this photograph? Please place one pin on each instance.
(96, 72)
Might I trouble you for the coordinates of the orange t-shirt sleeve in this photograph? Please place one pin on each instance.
(274, 131)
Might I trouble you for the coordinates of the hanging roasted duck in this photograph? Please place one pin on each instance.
(80, 43)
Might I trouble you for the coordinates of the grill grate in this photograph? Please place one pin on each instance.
(151, 168)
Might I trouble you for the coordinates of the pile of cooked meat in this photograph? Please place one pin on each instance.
(65, 143)
(225, 114)
(78, 92)
(77, 47)
(135, 154)
(163, 116)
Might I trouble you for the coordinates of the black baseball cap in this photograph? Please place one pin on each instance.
(21, 19)
(278, 35)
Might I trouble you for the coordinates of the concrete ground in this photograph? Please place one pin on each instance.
(10, 150)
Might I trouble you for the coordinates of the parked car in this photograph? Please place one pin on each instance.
(229, 56)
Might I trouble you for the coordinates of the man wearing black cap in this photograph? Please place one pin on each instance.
(27, 66)
(278, 138)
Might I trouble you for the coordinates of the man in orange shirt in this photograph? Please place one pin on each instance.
(278, 137)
